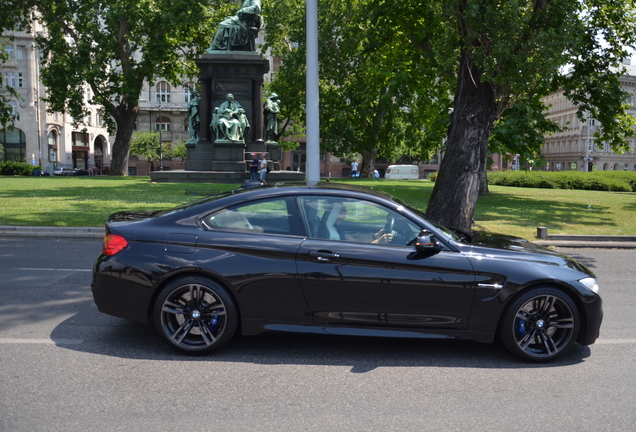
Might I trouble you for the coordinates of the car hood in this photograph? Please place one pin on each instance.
(515, 248)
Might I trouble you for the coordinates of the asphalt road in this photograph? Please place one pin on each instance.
(66, 367)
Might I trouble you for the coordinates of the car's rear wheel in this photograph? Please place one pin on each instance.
(541, 325)
(195, 315)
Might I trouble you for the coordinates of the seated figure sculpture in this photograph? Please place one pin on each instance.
(237, 33)
(231, 123)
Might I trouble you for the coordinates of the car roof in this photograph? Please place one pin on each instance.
(320, 187)
(281, 189)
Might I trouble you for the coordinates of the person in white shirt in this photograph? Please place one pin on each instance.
(262, 168)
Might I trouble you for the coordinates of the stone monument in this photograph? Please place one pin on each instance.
(231, 84)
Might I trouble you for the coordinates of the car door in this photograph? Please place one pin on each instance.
(357, 280)
(253, 247)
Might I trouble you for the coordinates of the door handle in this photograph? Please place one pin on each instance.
(323, 255)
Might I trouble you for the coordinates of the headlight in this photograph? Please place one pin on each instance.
(590, 283)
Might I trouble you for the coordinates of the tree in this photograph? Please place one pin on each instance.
(506, 53)
(179, 151)
(7, 93)
(373, 94)
(146, 145)
(460, 68)
(107, 49)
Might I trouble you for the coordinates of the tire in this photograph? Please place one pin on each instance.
(195, 315)
(541, 325)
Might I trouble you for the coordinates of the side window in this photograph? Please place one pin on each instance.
(272, 216)
(333, 218)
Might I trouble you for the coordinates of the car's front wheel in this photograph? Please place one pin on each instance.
(541, 325)
(195, 315)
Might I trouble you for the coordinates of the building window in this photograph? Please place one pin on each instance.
(187, 92)
(9, 79)
(14, 109)
(80, 139)
(10, 52)
(20, 80)
(100, 119)
(52, 141)
(163, 92)
(14, 142)
(162, 124)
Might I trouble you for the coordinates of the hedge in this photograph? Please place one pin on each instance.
(621, 181)
(12, 168)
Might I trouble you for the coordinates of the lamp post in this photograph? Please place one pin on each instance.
(587, 143)
(160, 137)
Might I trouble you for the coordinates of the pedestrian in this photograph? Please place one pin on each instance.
(254, 168)
(262, 168)
(354, 169)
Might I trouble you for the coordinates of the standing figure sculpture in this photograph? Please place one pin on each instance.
(229, 122)
(214, 124)
(237, 33)
(194, 117)
(271, 108)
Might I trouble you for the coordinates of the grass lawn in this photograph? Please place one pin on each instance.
(87, 201)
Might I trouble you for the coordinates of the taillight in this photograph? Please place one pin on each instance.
(113, 244)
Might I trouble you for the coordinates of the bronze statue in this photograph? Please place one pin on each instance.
(229, 122)
(238, 33)
(194, 117)
(271, 108)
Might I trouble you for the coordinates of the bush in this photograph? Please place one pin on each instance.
(620, 181)
(432, 176)
(18, 168)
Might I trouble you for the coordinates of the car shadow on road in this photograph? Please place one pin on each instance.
(119, 338)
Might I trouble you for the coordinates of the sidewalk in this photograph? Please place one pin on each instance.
(97, 234)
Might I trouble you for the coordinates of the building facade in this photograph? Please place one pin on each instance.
(575, 148)
(38, 137)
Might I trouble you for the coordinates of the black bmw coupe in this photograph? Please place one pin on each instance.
(335, 259)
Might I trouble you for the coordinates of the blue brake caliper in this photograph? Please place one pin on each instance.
(520, 328)
(214, 323)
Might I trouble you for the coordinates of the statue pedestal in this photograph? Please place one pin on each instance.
(241, 74)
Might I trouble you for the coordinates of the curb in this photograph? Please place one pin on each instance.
(58, 233)
(589, 244)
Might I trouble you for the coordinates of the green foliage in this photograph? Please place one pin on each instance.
(375, 92)
(620, 181)
(179, 151)
(13, 168)
(7, 93)
(113, 47)
(146, 145)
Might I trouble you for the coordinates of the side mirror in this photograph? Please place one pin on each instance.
(427, 243)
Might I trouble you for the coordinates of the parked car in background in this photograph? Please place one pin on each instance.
(63, 171)
(337, 259)
(402, 172)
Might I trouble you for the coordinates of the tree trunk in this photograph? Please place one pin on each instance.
(483, 182)
(458, 184)
(127, 115)
(368, 163)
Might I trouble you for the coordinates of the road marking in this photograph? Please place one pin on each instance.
(41, 341)
(54, 269)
